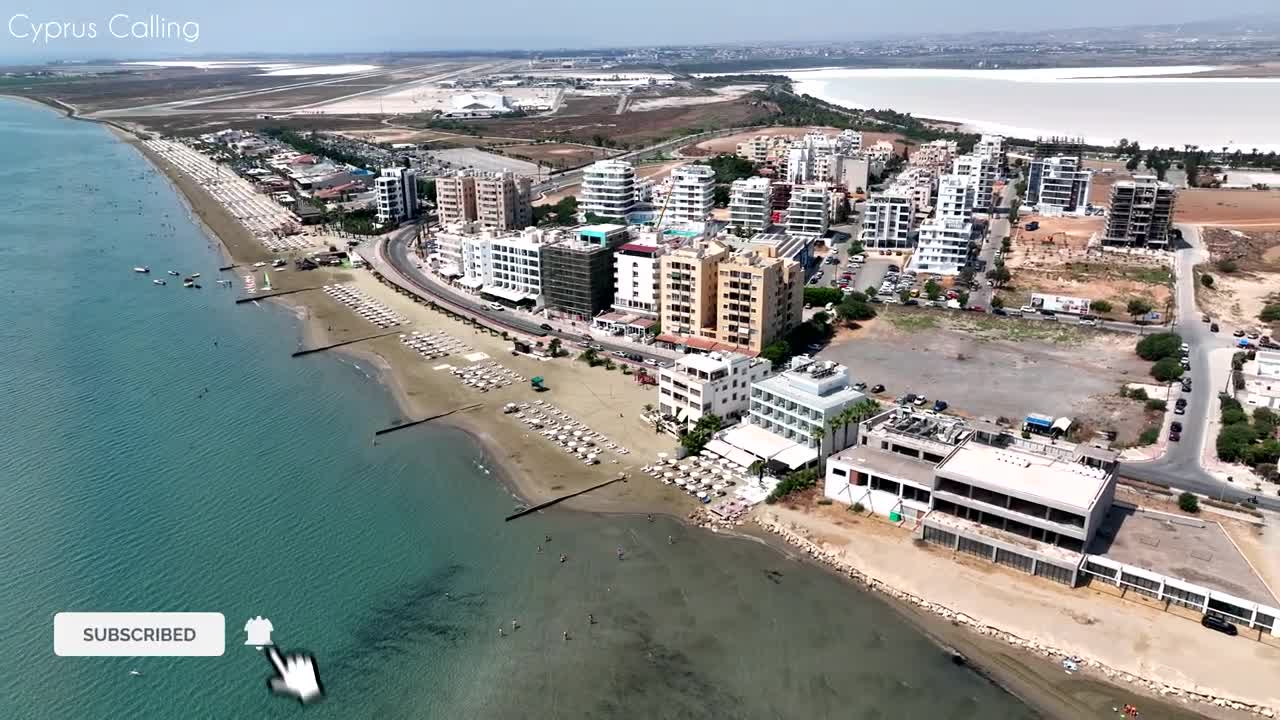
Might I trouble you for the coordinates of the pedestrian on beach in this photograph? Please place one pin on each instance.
(591, 619)
(514, 625)
(500, 632)
(566, 636)
(671, 540)
(547, 538)
(539, 549)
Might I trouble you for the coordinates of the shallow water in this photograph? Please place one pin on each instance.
(160, 451)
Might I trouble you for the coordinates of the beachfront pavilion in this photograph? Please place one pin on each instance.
(746, 443)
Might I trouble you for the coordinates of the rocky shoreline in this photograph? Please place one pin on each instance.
(832, 560)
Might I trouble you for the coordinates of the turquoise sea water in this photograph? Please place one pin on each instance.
(160, 451)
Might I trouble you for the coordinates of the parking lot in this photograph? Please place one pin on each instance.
(981, 375)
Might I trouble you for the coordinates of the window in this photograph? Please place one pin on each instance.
(839, 472)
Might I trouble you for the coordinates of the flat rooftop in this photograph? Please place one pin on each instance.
(1190, 549)
(705, 363)
(1031, 476)
(889, 464)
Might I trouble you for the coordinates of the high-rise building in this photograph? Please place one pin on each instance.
(981, 173)
(577, 270)
(746, 300)
(608, 189)
(456, 198)
(810, 209)
(955, 197)
(943, 246)
(759, 299)
(1058, 184)
(1141, 212)
(497, 200)
(749, 203)
(635, 278)
(799, 404)
(397, 191)
(887, 221)
(503, 201)
(991, 147)
(692, 193)
(687, 289)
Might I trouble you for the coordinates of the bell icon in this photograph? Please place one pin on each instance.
(258, 632)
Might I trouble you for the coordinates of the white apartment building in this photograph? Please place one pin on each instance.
(635, 278)
(917, 183)
(717, 383)
(515, 271)
(943, 246)
(955, 197)
(854, 173)
(887, 221)
(1058, 184)
(608, 189)
(991, 147)
(756, 149)
(449, 242)
(692, 194)
(397, 192)
(749, 203)
(810, 209)
(880, 152)
(798, 404)
(981, 172)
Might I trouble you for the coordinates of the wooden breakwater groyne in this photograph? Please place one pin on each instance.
(556, 501)
(412, 423)
(278, 293)
(340, 343)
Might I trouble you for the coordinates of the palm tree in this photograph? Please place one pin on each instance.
(817, 435)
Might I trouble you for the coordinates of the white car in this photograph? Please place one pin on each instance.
(496, 307)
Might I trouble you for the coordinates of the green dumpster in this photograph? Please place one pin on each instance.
(895, 517)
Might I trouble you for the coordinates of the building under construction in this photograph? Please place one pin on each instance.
(1141, 213)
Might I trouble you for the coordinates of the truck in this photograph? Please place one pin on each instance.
(1033, 225)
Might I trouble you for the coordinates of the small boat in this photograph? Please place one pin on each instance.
(135, 673)
(158, 282)
(188, 283)
(173, 273)
(142, 269)
(195, 275)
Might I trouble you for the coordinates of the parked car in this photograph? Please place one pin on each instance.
(1214, 621)
(651, 362)
(999, 311)
(1213, 327)
(877, 389)
(1238, 333)
(1175, 426)
(1206, 318)
(939, 405)
(1174, 436)
(1186, 384)
(860, 386)
(497, 307)
(1186, 349)
(546, 327)
(907, 399)
(920, 401)
(597, 347)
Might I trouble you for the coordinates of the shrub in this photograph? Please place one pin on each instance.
(1206, 280)
(1167, 370)
(1234, 416)
(1228, 266)
(824, 501)
(1188, 502)
(1149, 436)
(1265, 421)
(1156, 404)
(1266, 471)
(1265, 453)
(820, 296)
(1102, 306)
(1134, 393)
(1160, 345)
(794, 482)
(857, 507)
(1270, 313)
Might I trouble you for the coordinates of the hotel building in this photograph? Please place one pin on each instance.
(749, 203)
(717, 383)
(608, 190)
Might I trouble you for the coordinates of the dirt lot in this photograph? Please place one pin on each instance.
(987, 366)
(1239, 296)
(1100, 188)
(1239, 208)
(556, 155)
(1057, 259)
(729, 144)
(581, 119)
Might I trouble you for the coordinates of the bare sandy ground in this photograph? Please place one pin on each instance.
(1257, 208)
(728, 92)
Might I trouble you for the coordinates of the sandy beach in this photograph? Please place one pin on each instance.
(536, 469)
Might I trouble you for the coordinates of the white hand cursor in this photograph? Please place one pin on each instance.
(296, 675)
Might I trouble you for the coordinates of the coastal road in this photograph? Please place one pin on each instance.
(393, 256)
(1180, 466)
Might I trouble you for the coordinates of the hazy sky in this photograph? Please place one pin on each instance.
(292, 26)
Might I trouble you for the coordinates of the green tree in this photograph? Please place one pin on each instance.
(855, 308)
(1265, 422)
(1265, 453)
(822, 296)
(777, 352)
(1270, 313)
(962, 297)
(997, 302)
(1159, 346)
(1188, 502)
(1138, 306)
(932, 290)
(707, 426)
(1234, 440)
(1166, 370)
(904, 295)
(822, 317)
(999, 275)
(1206, 280)
(1102, 306)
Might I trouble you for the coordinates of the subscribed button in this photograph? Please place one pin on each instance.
(138, 634)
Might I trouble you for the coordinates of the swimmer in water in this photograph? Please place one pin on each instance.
(563, 557)
(591, 619)
(539, 548)
(566, 635)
